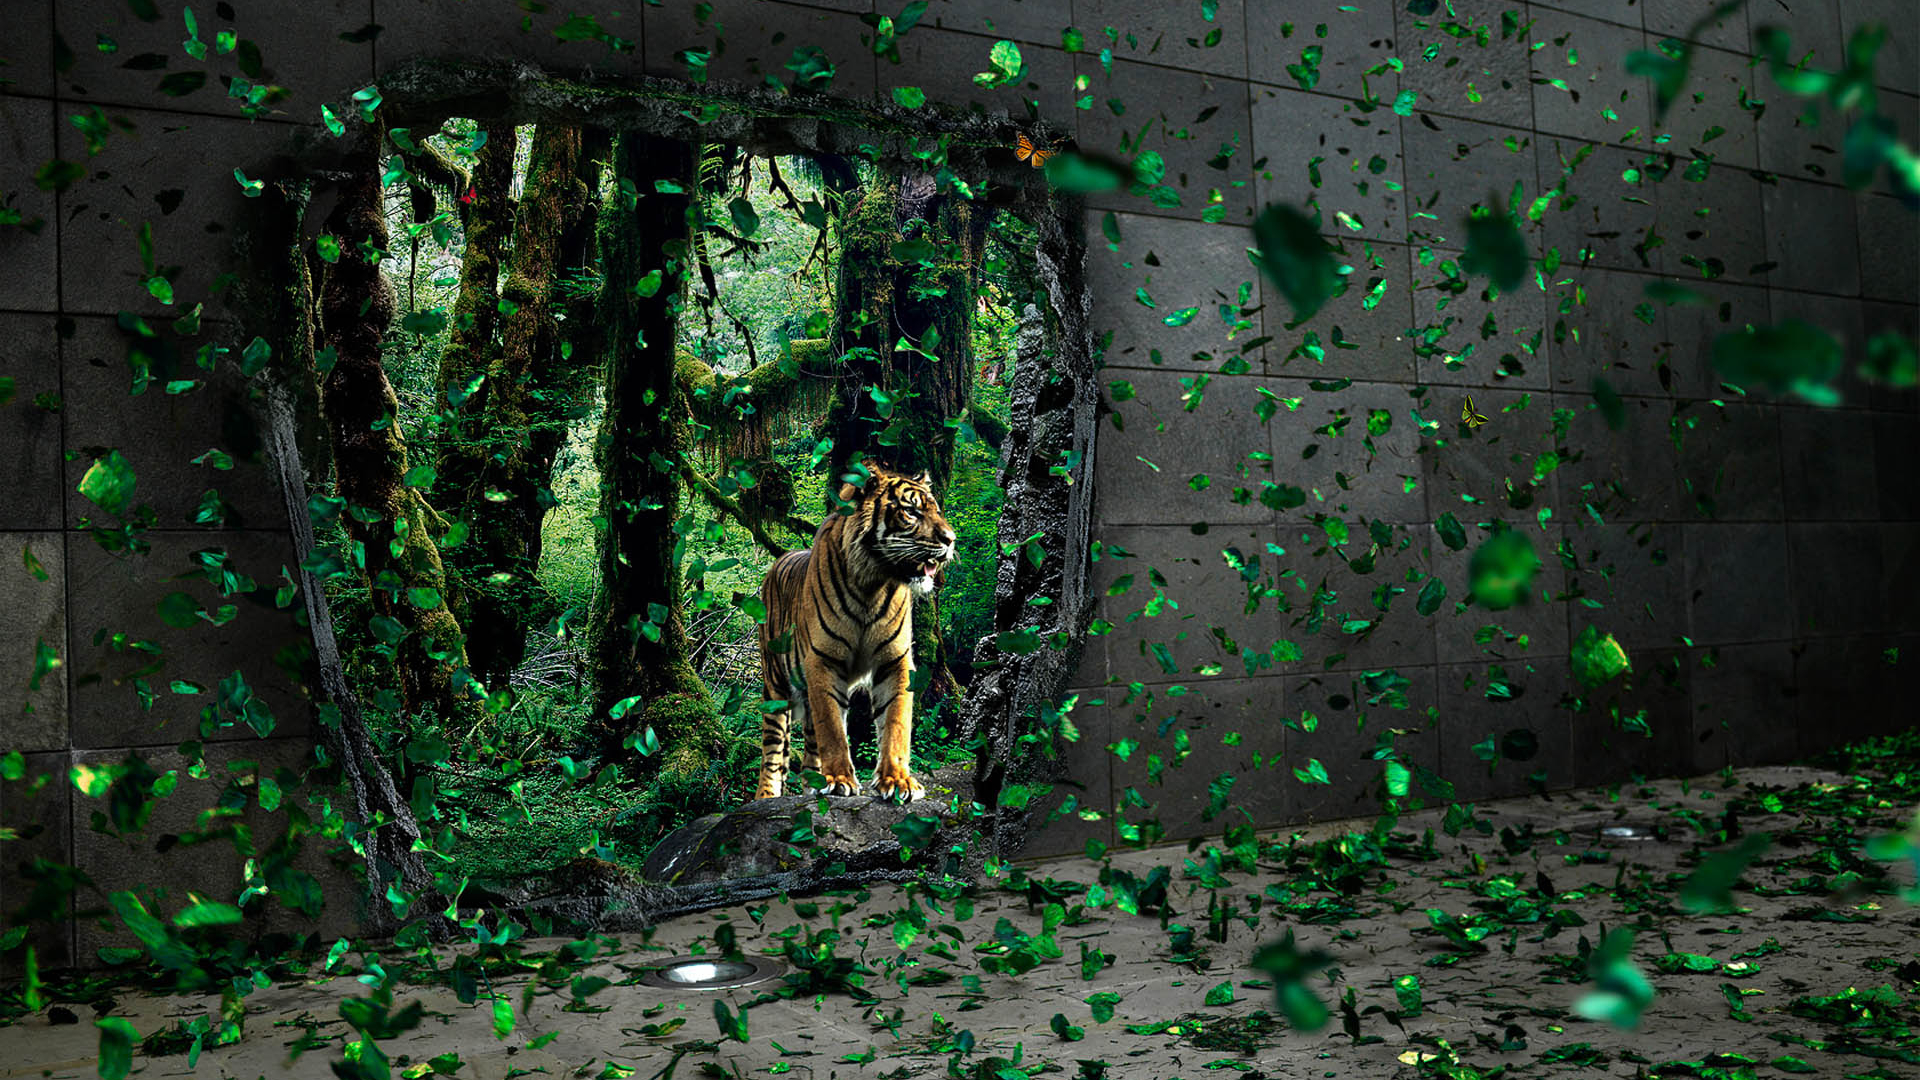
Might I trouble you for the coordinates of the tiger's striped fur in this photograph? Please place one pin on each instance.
(839, 619)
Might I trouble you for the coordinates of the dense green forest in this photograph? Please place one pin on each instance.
(567, 715)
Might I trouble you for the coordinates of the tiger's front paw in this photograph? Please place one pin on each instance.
(837, 784)
(897, 785)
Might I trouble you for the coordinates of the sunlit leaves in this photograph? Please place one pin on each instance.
(108, 483)
(1597, 657)
(1008, 66)
(1295, 259)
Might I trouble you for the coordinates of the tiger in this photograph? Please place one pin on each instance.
(839, 618)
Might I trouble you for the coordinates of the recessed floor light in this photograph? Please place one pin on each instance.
(712, 973)
(1628, 834)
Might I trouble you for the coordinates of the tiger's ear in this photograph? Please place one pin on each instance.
(925, 477)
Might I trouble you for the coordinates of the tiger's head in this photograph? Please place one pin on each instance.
(902, 525)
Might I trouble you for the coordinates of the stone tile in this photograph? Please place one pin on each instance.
(1608, 744)
(1494, 470)
(300, 50)
(1628, 474)
(1637, 574)
(1829, 465)
(30, 465)
(1811, 238)
(751, 43)
(1711, 227)
(1172, 35)
(1899, 575)
(1605, 327)
(943, 64)
(1813, 27)
(1178, 591)
(1737, 583)
(425, 30)
(1324, 155)
(1687, 20)
(1454, 166)
(1179, 264)
(193, 234)
(1730, 461)
(1359, 38)
(1341, 474)
(1601, 102)
(1468, 333)
(1896, 445)
(1187, 741)
(1717, 82)
(1461, 75)
(112, 594)
(1039, 21)
(1356, 713)
(1898, 63)
(1889, 250)
(1692, 328)
(173, 429)
(33, 613)
(1533, 631)
(1196, 122)
(1838, 574)
(29, 260)
(1625, 13)
(1176, 264)
(1353, 607)
(36, 808)
(1360, 332)
(1739, 702)
(1848, 691)
(26, 64)
(1605, 210)
(1516, 703)
(1798, 137)
(1149, 471)
(211, 868)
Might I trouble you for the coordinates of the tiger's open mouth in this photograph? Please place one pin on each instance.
(929, 568)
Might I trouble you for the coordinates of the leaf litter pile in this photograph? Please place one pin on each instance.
(1759, 923)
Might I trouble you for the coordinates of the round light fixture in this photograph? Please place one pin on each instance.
(711, 973)
(1628, 834)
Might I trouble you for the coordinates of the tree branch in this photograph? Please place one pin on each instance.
(708, 489)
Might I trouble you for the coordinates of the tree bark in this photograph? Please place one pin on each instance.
(401, 557)
(639, 630)
(508, 495)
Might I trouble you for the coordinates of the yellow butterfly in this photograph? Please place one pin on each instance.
(1469, 417)
(1031, 152)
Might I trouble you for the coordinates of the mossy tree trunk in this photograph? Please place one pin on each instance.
(639, 630)
(402, 558)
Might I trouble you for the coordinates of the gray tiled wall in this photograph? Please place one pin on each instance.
(1739, 572)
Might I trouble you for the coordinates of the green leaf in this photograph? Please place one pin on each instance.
(1794, 357)
(746, 221)
(117, 1037)
(1406, 990)
(1500, 574)
(1295, 259)
(909, 97)
(1432, 595)
(1313, 773)
(648, 284)
(1289, 968)
(208, 913)
(1709, 889)
(1495, 248)
(1403, 102)
(1597, 657)
(1451, 532)
(1065, 1030)
(108, 483)
(179, 610)
(1221, 994)
(1181, 317)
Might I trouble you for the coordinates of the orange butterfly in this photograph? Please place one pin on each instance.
(1031, 152)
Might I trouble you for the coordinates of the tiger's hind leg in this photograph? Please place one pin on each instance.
(776, 735)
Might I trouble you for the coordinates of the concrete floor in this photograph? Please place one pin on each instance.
(1470, 1007)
